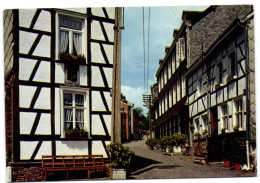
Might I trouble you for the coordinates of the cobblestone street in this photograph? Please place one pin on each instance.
(152, 164)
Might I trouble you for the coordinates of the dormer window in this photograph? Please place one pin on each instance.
(180, 50)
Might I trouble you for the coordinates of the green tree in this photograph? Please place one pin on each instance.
(144, 124)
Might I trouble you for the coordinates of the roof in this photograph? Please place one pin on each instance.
(208, 29)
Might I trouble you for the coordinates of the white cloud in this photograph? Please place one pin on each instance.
(134, 95)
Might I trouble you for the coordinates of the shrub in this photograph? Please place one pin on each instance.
(151, 142)
(120, 155)
(179, 139)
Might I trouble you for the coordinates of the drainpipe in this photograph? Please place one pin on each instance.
(247, 90)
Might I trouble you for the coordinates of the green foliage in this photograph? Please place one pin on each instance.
(223, 130)
(236, 129)
(144, 124)
(76, 133)
(72, 59)
(163, 142)
(179, 139)
(234, 151)
(120, 155)
(151, 142)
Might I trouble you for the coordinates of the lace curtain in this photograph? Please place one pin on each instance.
(77, 43)
(80, 118)
(64, 40)
(68, 119)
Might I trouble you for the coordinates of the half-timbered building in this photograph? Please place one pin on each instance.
(171, 115)
(58, 79)
(218, 69)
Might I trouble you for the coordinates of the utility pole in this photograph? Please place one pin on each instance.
(116, 84)
(147, 103)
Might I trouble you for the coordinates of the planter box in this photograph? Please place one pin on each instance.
(118, 174)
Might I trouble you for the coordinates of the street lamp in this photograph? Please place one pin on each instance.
(147, 103)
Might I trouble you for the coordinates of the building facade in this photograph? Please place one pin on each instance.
(218, 73)
(58, 78)
(171, 114)
(206, 80)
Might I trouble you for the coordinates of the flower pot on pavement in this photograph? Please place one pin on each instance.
(227, 163)
(237, 166)
(118, 174)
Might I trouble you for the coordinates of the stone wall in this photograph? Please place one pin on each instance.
(26, 173)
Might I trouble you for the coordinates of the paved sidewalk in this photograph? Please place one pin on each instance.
(153, 164)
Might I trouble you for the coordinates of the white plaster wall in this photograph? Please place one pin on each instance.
(44, 47)
(97, 11)
(219, 96)
(98, 148)
(109, 49)
(225, 94)
(26, 39)
(28, 147)
(57, 111)
(44, 21)
(111, 12)
(25, 95)
(213, 99)
(96, 31)
(241, 86)
(191, 99)
(109, 30)
(59, 73)
(45, 149)
(200, 106)
(232, 90)
(97, 103)
(96, 54)
(239, 70)
(72, 147)
(108, 99)
(25, 17)
(44, 99)
(79, 10)
(44, 126)
(43, 73)
(26, 122)
(195, 109)
(25, 68)
(109, 74)
(83, 75)
(96, 77)
(97, 127)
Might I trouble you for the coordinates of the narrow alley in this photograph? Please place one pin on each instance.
(153, 164)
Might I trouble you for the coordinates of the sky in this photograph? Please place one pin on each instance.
(163, 20)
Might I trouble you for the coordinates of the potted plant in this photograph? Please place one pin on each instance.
(71, 59)
(223, 130)
(205, 133)
(169, 142)
(120, 158)
(151, 142)
(236, 129)
(179, 140)
(162, 143)
(76, 134)
(197, 135)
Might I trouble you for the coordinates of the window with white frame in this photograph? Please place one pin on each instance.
(74, 113)
(73, 110)
(224, 109)
(232, 60)
(205, 122)
(70, 42)
(219, 75)
(169, 69)
(70, 35)
(180, 50)
(239, 113)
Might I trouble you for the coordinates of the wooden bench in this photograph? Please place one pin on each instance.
(70, 163)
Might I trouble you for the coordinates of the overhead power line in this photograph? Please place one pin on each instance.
(148, 47)
(175, 15)
(144, 47)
